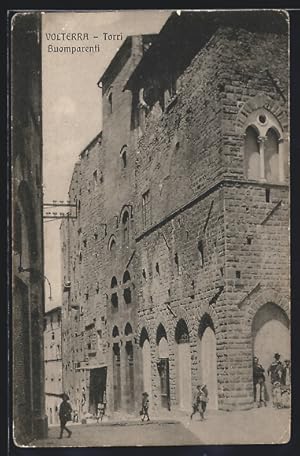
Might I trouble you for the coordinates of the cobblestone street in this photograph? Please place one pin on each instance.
(265, 425)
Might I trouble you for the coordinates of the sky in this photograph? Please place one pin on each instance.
(71, 103)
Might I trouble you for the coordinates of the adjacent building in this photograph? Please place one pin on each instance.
(176, 269)
(53, 364)
(29, 420)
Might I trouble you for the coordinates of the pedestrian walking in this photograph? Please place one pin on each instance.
(203, 400)
(259, 385)
(145, 407)
(275, 371)
(65, 415)
(200, 401)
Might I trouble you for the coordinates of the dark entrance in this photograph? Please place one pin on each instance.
(163, 366)
(129, 377)
(163, 369)
(97, 388)
(117, 376)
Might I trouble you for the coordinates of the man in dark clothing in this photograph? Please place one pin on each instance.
(200, 401)
(276, 369)
(145, 406)
(203, 400)
(65, 411)
(259, 382)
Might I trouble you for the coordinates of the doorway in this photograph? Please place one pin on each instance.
(97, 388)
(270, 335)
(184, 377)
(208, 360)
(163, 367)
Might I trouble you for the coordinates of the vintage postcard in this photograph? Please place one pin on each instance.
(151, 284)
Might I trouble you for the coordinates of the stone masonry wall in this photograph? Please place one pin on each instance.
(204, 126)
(217, 245)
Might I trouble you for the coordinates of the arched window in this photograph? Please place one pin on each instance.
(112, 245)
(181, 332)
(125, 225)
(126, 277)
(265, 156)
(114, 295)
(115, 331)
(123, 155)
(114, 282)
(128, 329)
(252, 159)
(127, 290)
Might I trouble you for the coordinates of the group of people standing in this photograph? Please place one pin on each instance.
(280, 376)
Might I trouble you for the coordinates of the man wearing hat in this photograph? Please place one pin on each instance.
(275, 370)
(65, 411)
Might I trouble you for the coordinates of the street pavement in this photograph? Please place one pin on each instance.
(255, 426)
(132, 433)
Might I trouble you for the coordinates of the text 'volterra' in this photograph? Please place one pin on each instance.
(78, 36)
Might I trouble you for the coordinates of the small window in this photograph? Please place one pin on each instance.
(114, 282)
(115, 300)
(95, 179)
(146, 209)
(127, 295)
(53, 336)
(125, 225)
(112, 245)
(126, 277)
(123, 155)
(110, 102)
(201, 253)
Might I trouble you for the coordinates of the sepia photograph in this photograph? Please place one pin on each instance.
(150, 228)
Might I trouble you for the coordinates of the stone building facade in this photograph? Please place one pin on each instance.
(177, 266)
(53, 364)
(29, 419)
